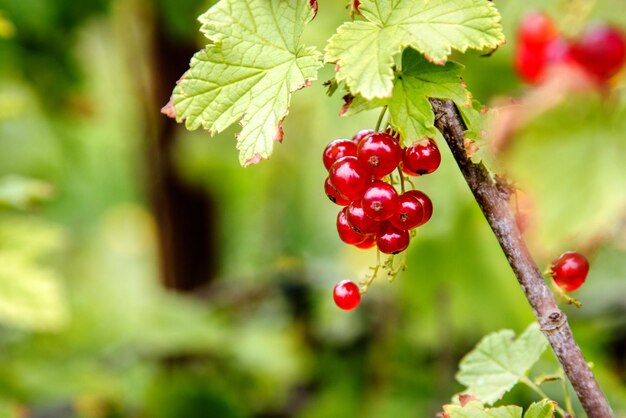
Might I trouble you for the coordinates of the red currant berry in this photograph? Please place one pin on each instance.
(361, 135)
(380, 153)
(427, 205)
(333, 195)
(421, 158)
(601, 51)
(346, 295)
(391, 240)
(369, 242)
(359, 221)
(536, 29)
(337, 149)
(530, 63)
(409, 214)
(380, 201)
(349, 177)
(569, 271)
(535, 35)
(346, 233)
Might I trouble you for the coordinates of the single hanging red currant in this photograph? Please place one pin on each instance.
(380, 153)
(337, 149)
(391, 240)
(349, 177)
(346, 233)
(380, 201)
(569, 271)
(421, 158)
(346, 295)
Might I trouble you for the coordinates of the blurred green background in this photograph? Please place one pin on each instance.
(143, 273)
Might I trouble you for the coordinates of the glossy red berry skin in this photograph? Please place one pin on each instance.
(427, 205)
(380, 201)
(391, 240)
(337, 149)
(359, 221)
(346, 233)
(409, 214)
(370, 241)
(361, 135)
(421, 158)
(346, 295)
(601, 51)
(569, 271)
(380, 153)
(349, 177)
(333, 195)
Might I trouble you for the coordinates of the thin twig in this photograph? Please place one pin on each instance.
(495, 206)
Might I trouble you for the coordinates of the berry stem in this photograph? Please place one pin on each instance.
(401, 179)
(560, 292)
(495, 206)
(564, 296)
(380, 119)
(393, 272)
(365, 284)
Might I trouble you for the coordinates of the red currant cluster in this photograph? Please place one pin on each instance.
(374, 213)
(600, 51)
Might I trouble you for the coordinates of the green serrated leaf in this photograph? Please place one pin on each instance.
(410, 111)
(499, 361)
(364, 50)
(541, 409)
(475, 409)
(249, 71)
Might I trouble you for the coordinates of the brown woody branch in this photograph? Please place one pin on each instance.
(493, 201)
